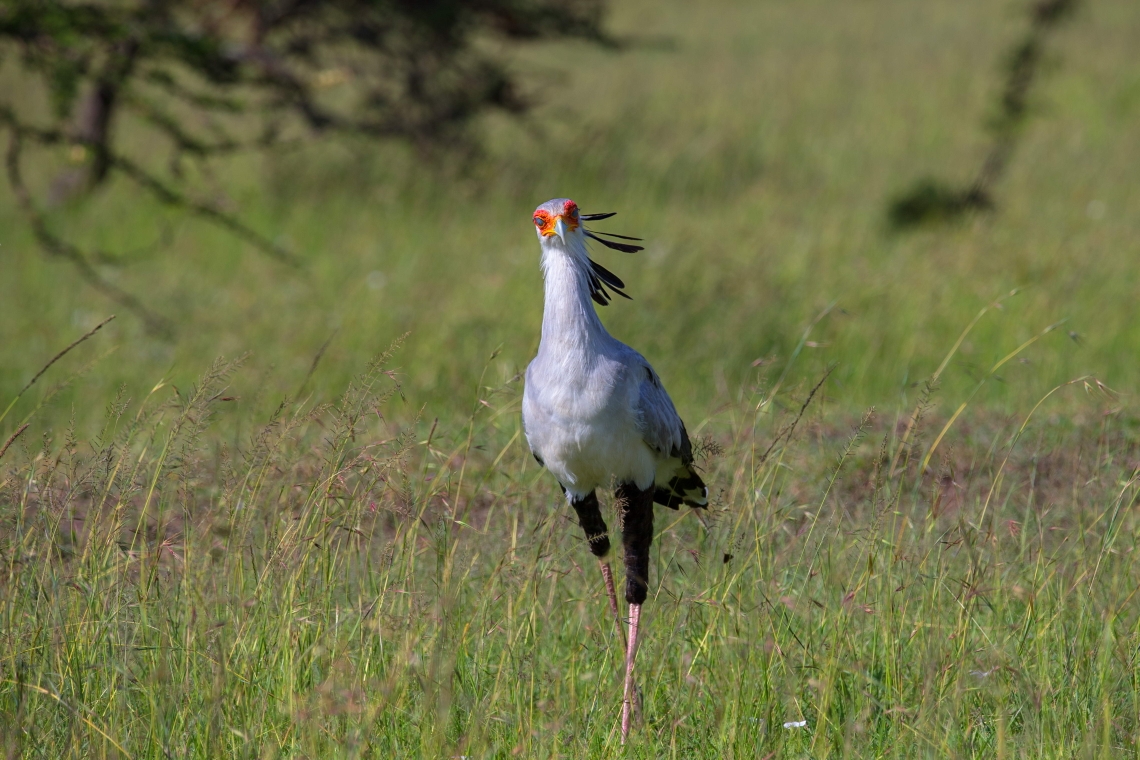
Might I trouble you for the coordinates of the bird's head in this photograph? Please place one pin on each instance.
(559, 220)
(559, 225)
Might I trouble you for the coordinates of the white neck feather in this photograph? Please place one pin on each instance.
(569, 321)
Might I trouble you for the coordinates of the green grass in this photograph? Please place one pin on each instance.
(284, 574)
(332, 586)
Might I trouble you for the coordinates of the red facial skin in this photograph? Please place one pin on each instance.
(545, 221)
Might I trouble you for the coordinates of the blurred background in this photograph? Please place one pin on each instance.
(818, 183)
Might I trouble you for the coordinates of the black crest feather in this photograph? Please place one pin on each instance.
(597, 292)
(623, 247)
(614, 235)
(600, 277)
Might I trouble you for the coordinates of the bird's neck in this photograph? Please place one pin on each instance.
(569, 321)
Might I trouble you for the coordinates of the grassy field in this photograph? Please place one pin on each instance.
(338, 587)
(202, 559)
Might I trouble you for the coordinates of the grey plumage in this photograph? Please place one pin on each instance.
(594, 410)
(595, 413)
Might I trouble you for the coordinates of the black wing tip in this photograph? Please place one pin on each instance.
(683, 491)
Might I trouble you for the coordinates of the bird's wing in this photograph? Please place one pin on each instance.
(657, 419)
(527, 389)
(663, 431)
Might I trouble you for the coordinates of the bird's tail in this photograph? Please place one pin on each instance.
(680, 484)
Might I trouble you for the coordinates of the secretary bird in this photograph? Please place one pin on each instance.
(595, 413)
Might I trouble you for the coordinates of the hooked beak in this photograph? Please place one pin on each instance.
(560, 229)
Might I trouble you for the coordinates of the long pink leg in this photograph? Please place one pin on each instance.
(630, 653)
(608, 575)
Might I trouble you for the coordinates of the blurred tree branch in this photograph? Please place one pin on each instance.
(931, 200)
(214, 77)
(57, 246)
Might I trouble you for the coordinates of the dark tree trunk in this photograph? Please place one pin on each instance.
(97, 110)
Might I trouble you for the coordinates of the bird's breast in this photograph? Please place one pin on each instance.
(584, 428)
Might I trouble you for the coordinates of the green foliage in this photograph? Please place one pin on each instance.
(185, 72)
(412, 66)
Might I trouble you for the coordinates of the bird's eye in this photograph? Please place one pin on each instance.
(574, 212)
(539, 221)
